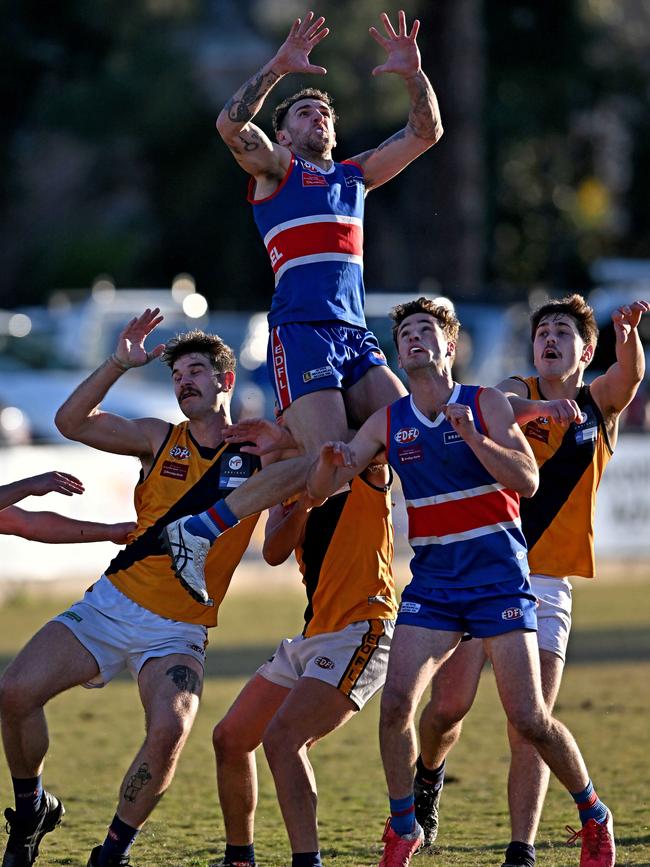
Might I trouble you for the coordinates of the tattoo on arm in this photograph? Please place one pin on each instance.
(424, 118)
(137, 782)
(185, 678)
(246, 102)
(250, 141)
(398, 135)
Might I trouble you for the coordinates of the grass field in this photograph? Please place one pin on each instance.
(605, 700)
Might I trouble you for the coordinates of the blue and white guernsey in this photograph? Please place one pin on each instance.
(312, 227)
(463, 525)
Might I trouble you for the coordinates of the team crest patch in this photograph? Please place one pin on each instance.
(235, 462)
(174, 471)
(317, 373)
(324, 662)
(406, 435)
(512, 614)
(180, 453)
(409, 608)
(309, 180)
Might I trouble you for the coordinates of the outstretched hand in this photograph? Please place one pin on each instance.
(130, 351)
(265, 436)
(628, 317)
(55, 482)
(293, 54)
(402, 49)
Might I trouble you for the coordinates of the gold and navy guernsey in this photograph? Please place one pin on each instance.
(185, 478)
(345, 560)
(558, 521)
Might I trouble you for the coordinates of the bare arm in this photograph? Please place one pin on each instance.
(52, 527)
(79, 418)
(36, 486)
(339, 462)
(504, 453)
(285, 529)
(424, 126)
(614, 390)
(562, 410)
(250, 146)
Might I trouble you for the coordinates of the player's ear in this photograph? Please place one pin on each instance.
(451, 349)
(282, 137)
(228, 379)
(587, 353)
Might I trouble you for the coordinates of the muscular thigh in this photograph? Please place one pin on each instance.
(317, 418)
(170, 687)
(377, 388)
(51, 662)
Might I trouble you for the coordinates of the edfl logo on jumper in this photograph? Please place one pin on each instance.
(179, 452)
(406, 435)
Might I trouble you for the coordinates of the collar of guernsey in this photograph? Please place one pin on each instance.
(312, 227)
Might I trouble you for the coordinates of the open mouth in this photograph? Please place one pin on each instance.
(550, 353)
(188, 393)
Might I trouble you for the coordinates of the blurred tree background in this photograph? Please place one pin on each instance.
(112, 164)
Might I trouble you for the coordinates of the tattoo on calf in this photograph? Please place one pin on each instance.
(137, 782)
(185, 678)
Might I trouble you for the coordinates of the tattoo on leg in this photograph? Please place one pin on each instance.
(185, 678)
(137, 782)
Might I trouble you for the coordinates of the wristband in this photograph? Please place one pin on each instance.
(116, 361)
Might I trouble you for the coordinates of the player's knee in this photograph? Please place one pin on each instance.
(279, 739)
(168, 734)
(231, 738)
(396, 706)
(531, 723)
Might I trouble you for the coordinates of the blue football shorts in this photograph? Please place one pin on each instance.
(482, 612)
(303, 357)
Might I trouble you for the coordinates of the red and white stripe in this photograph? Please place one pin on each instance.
(462, 515)
(319, 238)
(280, 372)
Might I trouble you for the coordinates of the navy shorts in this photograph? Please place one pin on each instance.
(482, 612)
(303, 357)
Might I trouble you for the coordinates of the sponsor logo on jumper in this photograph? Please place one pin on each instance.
(409, 607)
(309, 166)
(174, 471)
(324, 662)
(512, 614)
(406, 435)
(314, 180)
(534, 432)
(235, 462)
(72, 615)
(196, 648)
(352, 180)
(372, 599)
(317, 373)
(450, 438)
(586, 431)
(179, 452)
(410, 454)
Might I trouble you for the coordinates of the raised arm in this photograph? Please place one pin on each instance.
(37, 486)
(424, 126)
(339, 462)
(54, 528)
(250, 146)
(285, 529)
(504, 452)
(614, 390)
(79, 418)
(525, 409)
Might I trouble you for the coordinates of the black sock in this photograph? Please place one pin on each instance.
(521, 854)
(28, 792)
(434, 778)
(240, 853)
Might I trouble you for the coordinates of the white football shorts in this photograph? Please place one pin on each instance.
(122, 634)
(553, 613)
(353, 659)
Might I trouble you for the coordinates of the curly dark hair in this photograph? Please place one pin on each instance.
(220, 354)
(574, 306)
(280, 111)
(442, 312)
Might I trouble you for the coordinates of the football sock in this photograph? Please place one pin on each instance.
(28, 792)
(522, 854)
(434, 778)
(402, 814)
(589, 805)
(239, 854)
(212, 523)
(306, 859)
(118, 841)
